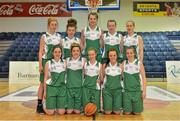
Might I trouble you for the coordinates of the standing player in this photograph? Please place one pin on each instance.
(91, 36)
(70, 38)
(47, 42)
(112, 39)
(112, 88)
(91, 85)
(75, 65)
(134, 40)
(54, 85)
(134, 83)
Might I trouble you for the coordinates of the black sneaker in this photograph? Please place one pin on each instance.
(40, 109)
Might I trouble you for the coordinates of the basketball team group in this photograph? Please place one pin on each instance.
(103, 68)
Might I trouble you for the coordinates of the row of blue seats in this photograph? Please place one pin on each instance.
(13, 35)
(155, 71)
(163, 49)
(174, 37)
(171, 53)
(162, 58)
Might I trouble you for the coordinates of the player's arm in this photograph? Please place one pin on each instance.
(141, 49)
(102, 39)
(121, 45)
(82, 40)
(103, 72)
(143, 75)
(61, 42)
(99, 79)
(122, 69)
(122, 66)
(84, 64)
(41, 52)
(46, 77)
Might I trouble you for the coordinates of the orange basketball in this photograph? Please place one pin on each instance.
(90, 109)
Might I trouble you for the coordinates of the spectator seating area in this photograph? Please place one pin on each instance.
(157, 49)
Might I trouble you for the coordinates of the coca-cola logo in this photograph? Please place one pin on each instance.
(6, 9)
(50, 9)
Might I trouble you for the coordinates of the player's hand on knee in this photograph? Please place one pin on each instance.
(44, 95)
(143, 95)
(40, 69)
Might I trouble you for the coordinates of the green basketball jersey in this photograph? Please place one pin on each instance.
(92, 39)
(67, 45)
(50, 42)
(131, 42)
(111, 41)
(57, 73)
(92, 72)
(74, 72)
(113, 77)
(132, 80)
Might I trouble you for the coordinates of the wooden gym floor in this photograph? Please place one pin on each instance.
(18, 102)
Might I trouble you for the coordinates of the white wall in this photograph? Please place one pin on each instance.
(39, 24)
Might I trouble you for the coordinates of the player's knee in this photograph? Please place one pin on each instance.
(61, 112)
(108, 112)
(127, 113)
(41, 85)
(77, 111)
(136, 113)
(117, 112)
(69, 111)
(50, 112)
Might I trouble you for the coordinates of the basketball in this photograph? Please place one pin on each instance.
(90, 109)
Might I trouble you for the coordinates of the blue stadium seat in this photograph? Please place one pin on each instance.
(30, 58)
(4, 58)
(148, 68)
(174, 53)
(167, 53)
(24, 54)
(16, 54)
(162, 63)
(157, 71)
(163, 49)
(18, 49)
(146, 62)
(148, 49)
(146, 58)
(154, 62)
(146, 42)
(169, 58)
(152, 57)
(150, 53)
(157, 68)
(1, 63)
(27, 50)
(171, 49)
(161, 58)
(63, 34)
(21, 58)
(78, 34)
(8, 53)
(34, 54)
(158, 53)
(157, 49)
(12, 58)
(5, 69)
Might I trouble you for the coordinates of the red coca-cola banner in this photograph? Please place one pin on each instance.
(34, 9)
